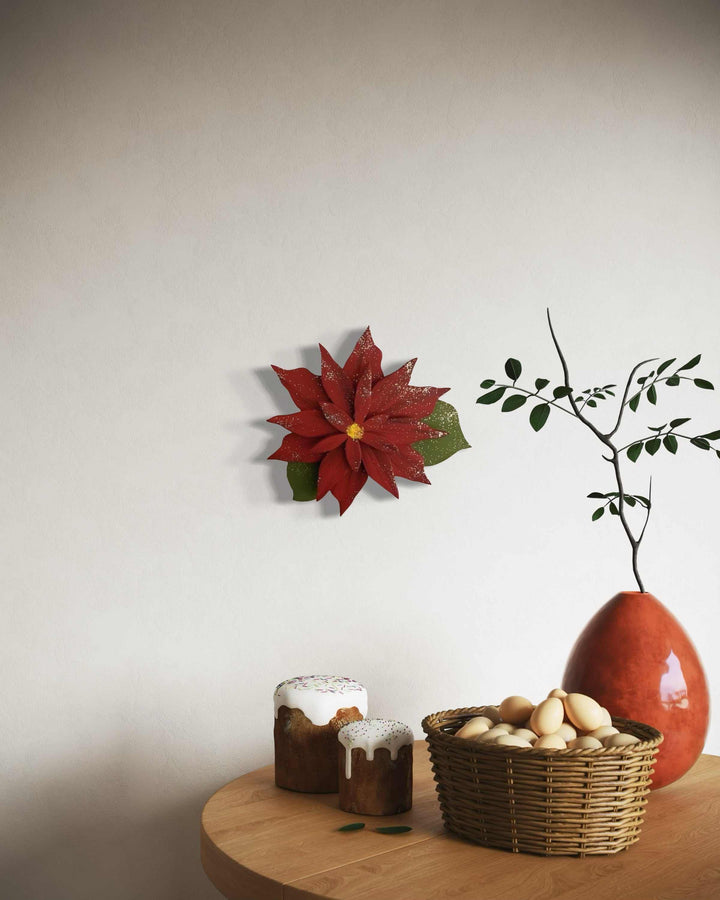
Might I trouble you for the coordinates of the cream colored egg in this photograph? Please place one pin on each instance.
(622, 739)
(474, 727)
(584, 743)
(547, 716)
(505, 726)
(602, 732)
(559, 693)
(490, 735)
(566, 732)
(516, 710)
(526, 734)
(550, 742)
(606, 717)
(583, 711)
(492, 713)
(512, 740)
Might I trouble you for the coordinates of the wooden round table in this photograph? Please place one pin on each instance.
(259, 842)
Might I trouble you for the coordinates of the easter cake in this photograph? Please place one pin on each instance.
(309, 712)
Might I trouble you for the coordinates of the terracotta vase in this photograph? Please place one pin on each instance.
(635, 659)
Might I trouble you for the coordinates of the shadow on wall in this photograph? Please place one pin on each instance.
(91, 838)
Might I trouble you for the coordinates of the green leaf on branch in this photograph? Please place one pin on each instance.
(673, 381)
(592, 403)
(513, 368)
(676, 423)
(614, 510)
(598, 513)
(634, 451)
(629, 499)
(712, 435)
(634, 401)
(492, 396)
(653, 445)
(657, 427)
(642, 500)
(539, 416)
(596, 495)
(652, 394)
(666, 365)
(514, 402)
(444, 417)
(303, 478)
(541, 383)
(670, 443)
(701, 383)
(488, 383)
(700, 442)
(561, 391)
(690, 365)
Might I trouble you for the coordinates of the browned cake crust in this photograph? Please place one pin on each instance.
(306, 754)
(378, 787)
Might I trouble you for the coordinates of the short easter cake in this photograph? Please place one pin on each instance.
(375, 762)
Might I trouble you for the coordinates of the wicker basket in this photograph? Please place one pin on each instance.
(550, 802)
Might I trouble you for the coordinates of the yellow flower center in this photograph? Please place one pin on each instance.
(355, 431)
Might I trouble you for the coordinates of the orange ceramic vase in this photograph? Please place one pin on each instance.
(636, 660)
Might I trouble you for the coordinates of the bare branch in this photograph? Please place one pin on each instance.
(627, 391)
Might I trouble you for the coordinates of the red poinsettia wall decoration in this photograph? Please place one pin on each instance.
(355, 423)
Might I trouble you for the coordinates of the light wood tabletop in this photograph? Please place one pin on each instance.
(259, 842)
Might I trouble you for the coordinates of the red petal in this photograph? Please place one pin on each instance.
(326, 444)
(295, 448)
(399, 432)
(353, 454)
(333, 468)
(346, 490)
(378, 442)
(337, 417)
(375, 424)
(305, 388)
(363, 392)
(417, 402)
(387, 392)
(338, 386)
(307, 422)
(364, 357)
(378, 467)
(408, 463)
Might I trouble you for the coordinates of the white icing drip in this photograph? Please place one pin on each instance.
(319, 697)
(372, 734)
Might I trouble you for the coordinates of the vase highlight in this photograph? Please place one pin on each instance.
(636, 659)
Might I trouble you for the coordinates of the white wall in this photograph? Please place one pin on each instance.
(191, 191)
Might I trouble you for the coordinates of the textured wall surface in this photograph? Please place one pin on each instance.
(191, 191)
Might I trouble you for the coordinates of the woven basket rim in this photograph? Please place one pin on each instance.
(432, 725)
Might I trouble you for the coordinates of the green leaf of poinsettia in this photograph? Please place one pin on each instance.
(303, 478)
(436, 450)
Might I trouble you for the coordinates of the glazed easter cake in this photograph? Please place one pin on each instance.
(375, 767)
(309, 712)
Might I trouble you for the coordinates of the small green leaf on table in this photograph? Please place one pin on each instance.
(394, 829)
(444, 417)
(303, 478)
(353, 826)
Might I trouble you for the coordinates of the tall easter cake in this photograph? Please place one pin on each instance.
(375, 764)
(309, 712)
